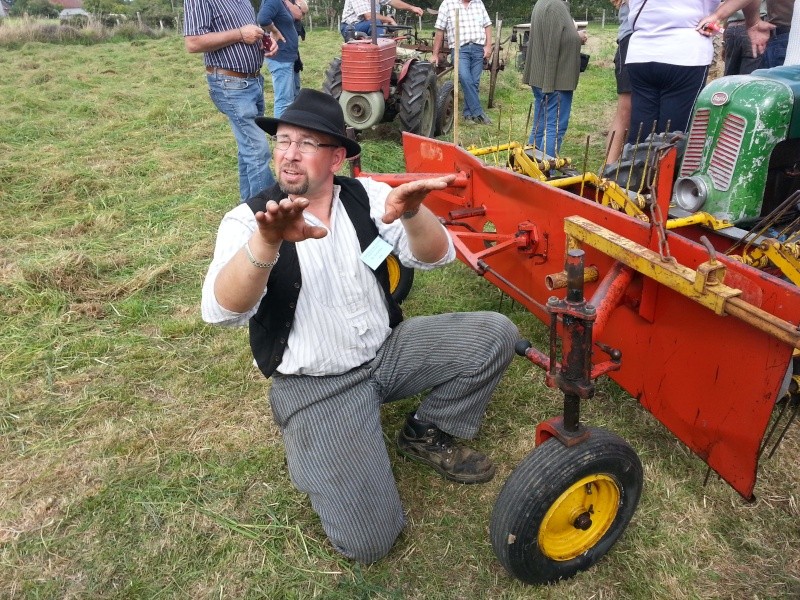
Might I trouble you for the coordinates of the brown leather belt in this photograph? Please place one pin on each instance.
(220, 71)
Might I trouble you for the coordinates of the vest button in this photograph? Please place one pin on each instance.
(297, 285)
(291, 304)
(288, 324)
(282, 341)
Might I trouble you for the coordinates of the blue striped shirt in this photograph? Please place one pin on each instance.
(209, 16)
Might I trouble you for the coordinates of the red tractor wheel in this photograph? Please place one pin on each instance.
(418, 100)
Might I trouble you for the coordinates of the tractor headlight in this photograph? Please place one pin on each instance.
(690, 193)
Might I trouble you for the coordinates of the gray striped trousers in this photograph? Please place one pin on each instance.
(331, 425)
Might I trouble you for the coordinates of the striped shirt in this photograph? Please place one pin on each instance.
(340, 320)
(209, 16)
(472, 21)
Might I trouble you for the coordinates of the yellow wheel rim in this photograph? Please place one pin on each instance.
(579, 518)
(394, 272)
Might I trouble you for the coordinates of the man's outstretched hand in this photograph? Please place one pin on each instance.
(284, 221)
(409, 196)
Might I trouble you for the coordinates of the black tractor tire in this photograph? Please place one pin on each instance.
(401, 278)
(564, 507)
(418, 99)
(333, 79)
(445, 109)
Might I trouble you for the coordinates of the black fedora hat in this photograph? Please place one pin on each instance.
(316, 111)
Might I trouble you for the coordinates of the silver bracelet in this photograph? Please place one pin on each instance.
(257, 263)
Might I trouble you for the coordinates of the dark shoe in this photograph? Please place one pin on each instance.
(426, 443)
(482, 119)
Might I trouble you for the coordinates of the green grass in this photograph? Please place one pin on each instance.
(139, 455)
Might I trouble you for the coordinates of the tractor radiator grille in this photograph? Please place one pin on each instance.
(693, 154)
(726, 152)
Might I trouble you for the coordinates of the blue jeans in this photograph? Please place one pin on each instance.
(550, 119)
(470, 67)
(362, 26)
(284, 86)
(775, 52)
(242, 100)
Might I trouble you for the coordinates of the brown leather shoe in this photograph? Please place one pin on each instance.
(426, 443)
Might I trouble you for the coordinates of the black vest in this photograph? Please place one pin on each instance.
(270, 326)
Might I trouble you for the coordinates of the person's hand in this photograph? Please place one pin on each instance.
(409, 196)
(269, 46)
(435, 59)
(759, 35)
(284, 221)
(618, 3)
(251, 34)
(417, 10)
(709, 26)
(583, 35)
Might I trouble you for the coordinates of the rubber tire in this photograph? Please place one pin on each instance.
(539, 481)
(445, 109)
(333, 79)
(401, 278)
(418, 100)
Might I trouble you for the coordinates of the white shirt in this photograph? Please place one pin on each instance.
(472, 21)
(340, 320)
(665, 32)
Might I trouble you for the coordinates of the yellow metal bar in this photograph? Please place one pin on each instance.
(699, 218)
(785, 261)
(703, 286)
(648, 262)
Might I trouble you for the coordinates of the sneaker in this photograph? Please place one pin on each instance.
(426, 443)
(482, 119)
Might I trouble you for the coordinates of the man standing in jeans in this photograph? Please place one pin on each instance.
(552, 67)
(474, 44)
(225, 31)
(281, 66)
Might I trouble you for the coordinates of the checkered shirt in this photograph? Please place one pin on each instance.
(472, 21)
(353, 9)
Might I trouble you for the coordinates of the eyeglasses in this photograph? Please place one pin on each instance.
(283, 143)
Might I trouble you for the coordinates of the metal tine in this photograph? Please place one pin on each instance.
(748, 239)
(647, 157)
(585, 160)
(772, 428)
(619, 162)
(635, 148)
(608, 151)
(794, 400)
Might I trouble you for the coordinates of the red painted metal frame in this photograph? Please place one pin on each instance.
(711, 380)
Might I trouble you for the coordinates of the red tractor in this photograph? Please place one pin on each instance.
(381, 78)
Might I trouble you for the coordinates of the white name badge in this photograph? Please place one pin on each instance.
(376, 253)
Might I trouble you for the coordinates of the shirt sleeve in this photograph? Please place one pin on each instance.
(196, 17)
(395, 233)
(266, 14)
(237, 226)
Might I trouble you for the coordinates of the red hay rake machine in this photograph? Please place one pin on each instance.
(664, 313)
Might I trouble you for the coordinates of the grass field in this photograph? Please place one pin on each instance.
(139, 457)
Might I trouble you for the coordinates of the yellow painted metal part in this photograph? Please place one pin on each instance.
(712, 294)
(783, 256)
(699, 218)
(393, 266)
(703, 285)
(596, 497)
